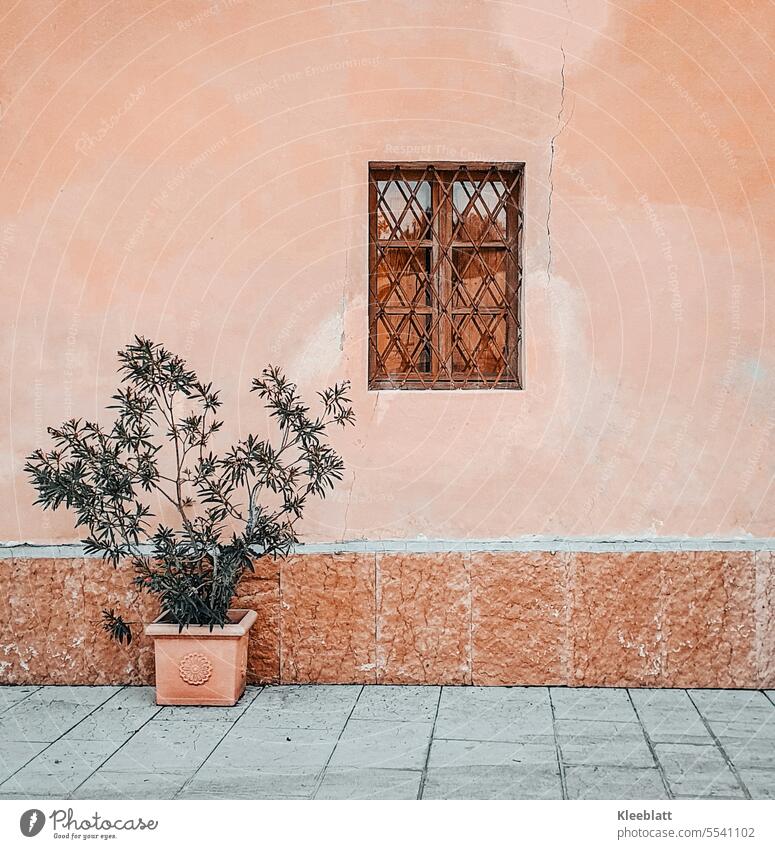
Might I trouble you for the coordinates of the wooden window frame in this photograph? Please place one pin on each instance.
(441, 336)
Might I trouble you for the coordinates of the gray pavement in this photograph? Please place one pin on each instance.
(353, 742)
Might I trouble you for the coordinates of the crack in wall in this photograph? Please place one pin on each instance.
(347, 506)
(552, 145)
(352, 485)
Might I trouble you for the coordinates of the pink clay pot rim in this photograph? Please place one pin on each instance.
(238, 628)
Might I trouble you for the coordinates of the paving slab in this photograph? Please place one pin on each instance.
(746, 726)
(119, 717)
(81, 695)
(370, 784)
(760, 782)
(614, 782)
(14, 755)
(309, 695)
(59, 769)
(458, 753)
(383, 744)
(45, 716)
(10, 696)
(320, 707)
(670, 717)
(169, 746)
(610, 704)
(592, 742)
(747, 734)
(749, 752)
(730, 704)
(525, 696)
(131, 785)
(675, 726)
(527, 781)
(374, 742)
(398, 703)
(512, 714)
(230, 783)
(273, 749)
(210, 713)
(659, 699)
(136, 696)
(697, 771)
(317, 716)
(325, 720)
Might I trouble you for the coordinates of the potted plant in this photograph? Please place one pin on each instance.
(225, 509)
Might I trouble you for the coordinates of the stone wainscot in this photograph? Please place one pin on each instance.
(569, 613)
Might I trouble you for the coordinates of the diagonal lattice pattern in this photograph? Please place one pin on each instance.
(445, 272)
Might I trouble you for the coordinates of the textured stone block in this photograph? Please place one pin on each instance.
(102, 585)
(519, 618)
(616, 619)
(709, 619)
(51, 628)
(765, 617)
(260, 591)
(327, 619)
(654, 619)
(423, 619)
(50, 622)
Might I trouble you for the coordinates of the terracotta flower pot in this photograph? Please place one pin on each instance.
(197, 666)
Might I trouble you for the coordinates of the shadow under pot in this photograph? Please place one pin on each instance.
(199, 665)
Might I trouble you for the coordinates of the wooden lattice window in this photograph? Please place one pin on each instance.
(445, 243)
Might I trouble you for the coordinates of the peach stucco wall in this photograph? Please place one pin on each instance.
(197, 173)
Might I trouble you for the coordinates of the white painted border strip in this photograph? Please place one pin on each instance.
(415, 546)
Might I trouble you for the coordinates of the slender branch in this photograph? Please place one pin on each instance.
(193, 570)
(174, 433)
